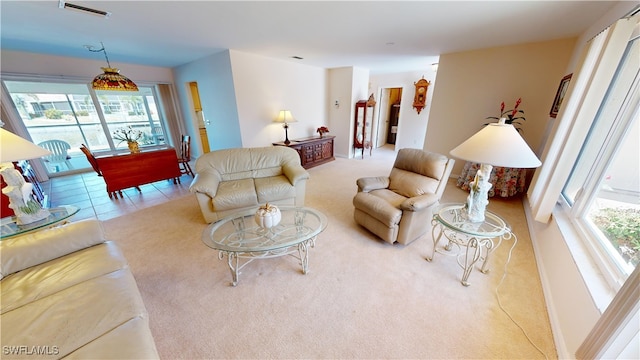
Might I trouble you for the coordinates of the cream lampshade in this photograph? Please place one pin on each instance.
(497, 144)
(15, 148)
(285, 117)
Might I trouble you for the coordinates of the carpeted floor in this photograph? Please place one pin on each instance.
(362, 298)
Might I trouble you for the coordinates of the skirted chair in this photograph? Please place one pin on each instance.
(399, 207)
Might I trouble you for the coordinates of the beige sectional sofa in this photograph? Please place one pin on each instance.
(67, 292)
(231, 180)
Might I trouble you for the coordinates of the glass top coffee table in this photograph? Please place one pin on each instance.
(58, 215)
(239, 236)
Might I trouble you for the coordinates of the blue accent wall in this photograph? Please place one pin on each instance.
(217, 96)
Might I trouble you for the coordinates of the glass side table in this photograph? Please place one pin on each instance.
(58, 216)
(477, 238)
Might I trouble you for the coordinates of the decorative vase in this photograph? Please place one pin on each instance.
(133, 147)
(268, 216)
(321, 133)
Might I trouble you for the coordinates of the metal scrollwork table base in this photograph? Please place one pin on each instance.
(477, 238)
(239, 237)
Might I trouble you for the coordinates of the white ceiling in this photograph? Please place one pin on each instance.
(382, 36)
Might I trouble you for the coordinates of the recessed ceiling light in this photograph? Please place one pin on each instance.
(390, 43)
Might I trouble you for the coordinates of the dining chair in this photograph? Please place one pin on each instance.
(59, 153)
(91, 158)
(185, 155)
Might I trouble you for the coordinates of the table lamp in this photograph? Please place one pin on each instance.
(15, 148)
(497, 144)
(284, 116)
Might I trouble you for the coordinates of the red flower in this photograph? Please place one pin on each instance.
(322, 130)
(515, 109)
(513, 117)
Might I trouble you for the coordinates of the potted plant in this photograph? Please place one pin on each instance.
(510, 116)
(321, 130)
(130, 135)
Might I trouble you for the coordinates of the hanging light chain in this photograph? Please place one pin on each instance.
(90, 48)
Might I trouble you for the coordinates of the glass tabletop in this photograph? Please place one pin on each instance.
(240, 232)
(454, 217)
(10, 228)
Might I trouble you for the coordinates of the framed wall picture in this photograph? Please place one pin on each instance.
(562, 89)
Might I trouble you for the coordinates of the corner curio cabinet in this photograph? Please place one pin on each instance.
(362, 135)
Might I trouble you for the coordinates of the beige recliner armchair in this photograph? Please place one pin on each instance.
(398, 207)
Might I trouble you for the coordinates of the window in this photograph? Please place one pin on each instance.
(76, 114)
(602, 194)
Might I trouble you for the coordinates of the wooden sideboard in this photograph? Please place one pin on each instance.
(313, 151)
(124, 171)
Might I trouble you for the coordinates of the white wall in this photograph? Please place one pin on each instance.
(412, 126)
(472, 84)
(340, 85)
(347, 85)
(81, 69)
(264, 86)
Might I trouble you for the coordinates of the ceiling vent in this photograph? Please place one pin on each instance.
(65, 5)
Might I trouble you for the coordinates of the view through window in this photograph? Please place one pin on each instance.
(68, 115)
(603, 190)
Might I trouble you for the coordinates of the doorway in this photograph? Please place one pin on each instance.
(202, 123)
(389, 118)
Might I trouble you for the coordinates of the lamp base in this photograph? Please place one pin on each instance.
(25, 219)
(19, 192)
(286, 134)
(478, 198)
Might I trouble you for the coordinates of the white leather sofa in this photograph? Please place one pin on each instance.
(67, 292)
(232, 180)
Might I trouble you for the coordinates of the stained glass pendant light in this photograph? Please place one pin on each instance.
(111, 79)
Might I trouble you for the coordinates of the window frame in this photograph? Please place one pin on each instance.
(16, 119)
(606, 257)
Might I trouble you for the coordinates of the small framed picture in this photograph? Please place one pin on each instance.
(562, 89)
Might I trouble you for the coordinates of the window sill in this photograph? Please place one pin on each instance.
(600, 290)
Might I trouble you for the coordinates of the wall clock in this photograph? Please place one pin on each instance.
(420, 97)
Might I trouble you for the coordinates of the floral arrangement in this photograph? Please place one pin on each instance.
(322, 129)
(127, 134)
(510, 115)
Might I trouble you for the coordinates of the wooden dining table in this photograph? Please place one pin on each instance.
(123, 171)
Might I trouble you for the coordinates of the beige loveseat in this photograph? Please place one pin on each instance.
(231, 180)
(67, 292)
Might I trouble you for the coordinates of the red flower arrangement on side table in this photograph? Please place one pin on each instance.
(321, 130)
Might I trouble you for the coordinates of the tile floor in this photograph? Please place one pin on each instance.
(88, 191)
